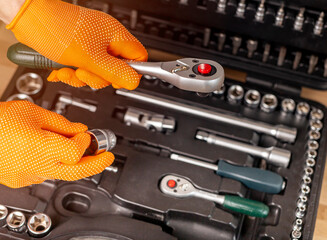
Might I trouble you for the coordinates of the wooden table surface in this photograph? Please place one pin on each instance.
(7, 69)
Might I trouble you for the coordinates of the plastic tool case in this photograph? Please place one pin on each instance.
(278, 52)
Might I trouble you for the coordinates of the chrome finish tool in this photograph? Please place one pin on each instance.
(180, 187)
(191, 74)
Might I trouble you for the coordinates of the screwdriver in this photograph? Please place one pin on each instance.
(254, 178)
(180, 187)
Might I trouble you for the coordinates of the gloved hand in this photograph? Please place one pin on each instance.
(87, 39)
(36, 144)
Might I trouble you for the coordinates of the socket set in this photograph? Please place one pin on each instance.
(244, 161)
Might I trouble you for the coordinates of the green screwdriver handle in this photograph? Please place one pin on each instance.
(246, 206)
(25, 56)
(254, 178)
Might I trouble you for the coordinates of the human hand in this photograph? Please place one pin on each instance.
(37, 144)
(90, 40)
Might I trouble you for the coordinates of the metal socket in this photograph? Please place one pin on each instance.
(3, 215)
(302, 109)
(269, 103)
(306, 181)
(308, 171)
(300, 211)
(39, 225)
(310, 162)
(305, 190)
(316, 125)
(313, 145)
(29, 83)
(314, 135)
(235, 94)
(102, 140)
(288, 105)
(316, 114)
(221, 91)
(302, 200)
(312, 154)
(296, 234)
(252, 98)
(16, 222)
(297, 225)
(20, 96)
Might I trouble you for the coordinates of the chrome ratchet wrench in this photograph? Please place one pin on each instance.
(190, 74)
(180, 187)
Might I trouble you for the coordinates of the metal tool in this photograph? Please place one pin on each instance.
(20, 96)
(112, 169)
(297, 59)
(312, 63)
(240, 10)
(300, 211)
(313, 145)
(180, 187)
(297, 225)
(29, 83)
(221, 6)
(221, 41)
(236, 42)
(316, 114)
(220, 92)
(268, 103)
(296, 234)
(260, 13)
(64, 101)
(3, 215)
(280, 16)
(254, 178)
(310, 162)
(235, 94)
(279, 131)
(16, 221)
(189, 74)
(312, 154)
(316, 125)
(152, 121)
(302, 200)
(206, 36)
(133, 21)
(314, 135)
(39, 225)
(319, 26)
(102, 140)
(299, 20)
(252, 46)
(252, 98)
(273, 155)
(302, 109)
(306, 181)
(288, 105)
(308, 171)
(281, 56)
(266, 53)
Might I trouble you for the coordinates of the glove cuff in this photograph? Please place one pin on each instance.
(19, 15)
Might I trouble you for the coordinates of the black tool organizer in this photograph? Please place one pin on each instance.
(128, 204)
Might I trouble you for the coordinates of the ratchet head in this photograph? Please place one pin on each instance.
(193, 74)
(177, 186)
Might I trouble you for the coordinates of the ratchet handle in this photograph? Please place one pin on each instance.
(25, 56)
(246, 206)
(254, 178)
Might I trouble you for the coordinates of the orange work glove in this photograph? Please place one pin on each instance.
(36, 145)
(87, 39)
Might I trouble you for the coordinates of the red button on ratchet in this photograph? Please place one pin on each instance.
(171, 183)
(204, 68)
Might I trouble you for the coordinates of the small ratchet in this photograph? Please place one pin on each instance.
(180, 187)
(191, 74)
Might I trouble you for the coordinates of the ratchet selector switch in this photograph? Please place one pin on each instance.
(204, 68)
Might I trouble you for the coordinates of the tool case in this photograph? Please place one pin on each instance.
(128, 204)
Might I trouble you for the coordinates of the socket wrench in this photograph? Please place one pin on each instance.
(3, 215)
(16, 221)
(68, 100)
(273, 155)
(102, 140)
(190, 74)
(280, 132)
(180, 187)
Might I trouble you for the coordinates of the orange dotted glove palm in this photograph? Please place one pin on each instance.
(36, 145)
(90, 40)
